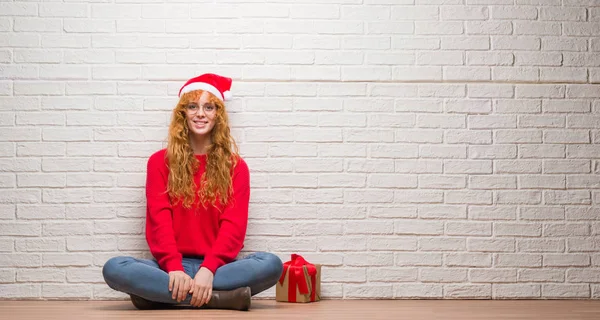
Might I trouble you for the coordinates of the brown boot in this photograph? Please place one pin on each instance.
(143, 304)
(237, 299)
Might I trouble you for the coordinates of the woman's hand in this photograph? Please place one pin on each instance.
(179, 285)
(202, 287)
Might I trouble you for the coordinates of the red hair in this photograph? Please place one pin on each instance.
(222, 156)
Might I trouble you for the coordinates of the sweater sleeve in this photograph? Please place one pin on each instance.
(159, 220)
(233, 222)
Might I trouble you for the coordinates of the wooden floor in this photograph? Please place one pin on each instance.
(325, 309)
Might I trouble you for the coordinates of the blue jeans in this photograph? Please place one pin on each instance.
(144, 278)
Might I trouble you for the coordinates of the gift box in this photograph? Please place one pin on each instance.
(300, 281)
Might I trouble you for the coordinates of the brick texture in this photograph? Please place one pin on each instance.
(416, 149)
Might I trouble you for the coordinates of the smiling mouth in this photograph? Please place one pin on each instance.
(200, 122)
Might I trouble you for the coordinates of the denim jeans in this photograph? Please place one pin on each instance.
(144, 278)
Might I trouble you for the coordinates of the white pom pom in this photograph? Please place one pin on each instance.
(227, 95)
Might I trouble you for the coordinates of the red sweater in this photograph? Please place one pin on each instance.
(174, 231)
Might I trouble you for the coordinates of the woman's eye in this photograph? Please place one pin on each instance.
(209, 108)
(192, 107)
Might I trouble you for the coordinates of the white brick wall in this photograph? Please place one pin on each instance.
(415, 148)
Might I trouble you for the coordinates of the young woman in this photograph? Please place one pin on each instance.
(197, 192)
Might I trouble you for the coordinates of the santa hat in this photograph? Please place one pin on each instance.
(215, 84)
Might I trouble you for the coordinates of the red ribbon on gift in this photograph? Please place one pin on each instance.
(297, 277)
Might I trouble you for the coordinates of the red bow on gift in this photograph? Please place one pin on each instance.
(297, 277)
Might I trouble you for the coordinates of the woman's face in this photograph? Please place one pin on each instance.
(201, 115)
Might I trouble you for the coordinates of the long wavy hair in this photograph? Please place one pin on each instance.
(222, 156)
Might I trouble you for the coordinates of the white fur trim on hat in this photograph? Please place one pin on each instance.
(228, 95)
(202, 86)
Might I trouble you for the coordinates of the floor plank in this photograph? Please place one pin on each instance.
(326, 309)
